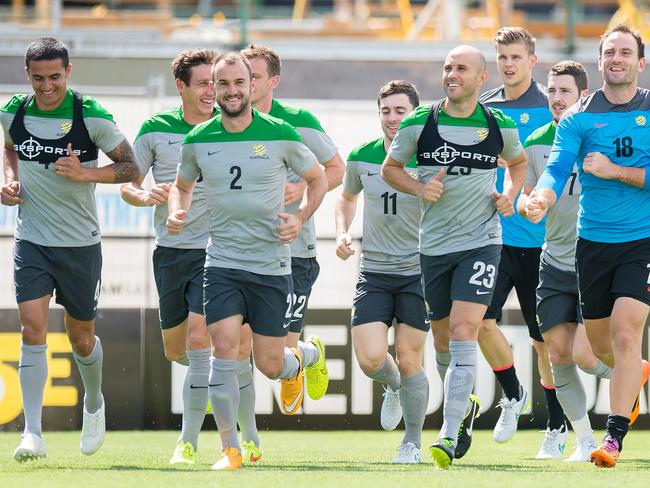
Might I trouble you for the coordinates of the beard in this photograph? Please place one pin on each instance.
(244, 105)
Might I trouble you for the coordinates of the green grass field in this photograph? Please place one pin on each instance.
(313, 459)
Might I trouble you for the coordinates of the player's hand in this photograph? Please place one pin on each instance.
(432, 190)
(70, 166)
(10, 194)
(536, 208)
(601, 166)
(158, 194)
(175, 222)
(344, 247)
(293, 192)
(290, 227)
(501, 163)
(503, 204)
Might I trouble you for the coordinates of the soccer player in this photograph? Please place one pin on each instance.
(52, 139)
(605, 134)
(524, 100)
(389, 285)
(178, 261)
(558, 305)
(458, 142)
(243, 156)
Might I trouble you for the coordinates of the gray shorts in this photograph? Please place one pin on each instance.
(265, 301)
(74, 273)
(179, 280)
(382, 297)
(304, 272)
(465, 275)
(557, 297)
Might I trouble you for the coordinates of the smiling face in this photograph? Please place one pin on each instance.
(198, 95)
(463, 74)
(619, 60)
(392, 109)
(515, 64)
(49, 79)
(233, 86)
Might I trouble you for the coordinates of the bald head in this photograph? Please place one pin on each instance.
(470, 54)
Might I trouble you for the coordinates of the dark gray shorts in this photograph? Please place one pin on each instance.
(465, 275)
(179, 280)
(74, 273)
(557, 297)
(304, 272)
(382, 297)
(265, 301)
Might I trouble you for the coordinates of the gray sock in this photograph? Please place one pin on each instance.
(90, 368)
(414, 397)
(459, 383)
(601, 370)
(246, 411)
(442, 363)
(310, 353)
(290, 367)
(195, 395)
(387, 374)
(570, 391)
(32, 371)
(224, 395)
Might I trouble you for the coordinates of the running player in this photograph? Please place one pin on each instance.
(243, 156)
(52, 139)
(178, 261)
(524, 100)
(389, 285)
(558, 306)
(266, 66)
(606, 135)
(458, 142)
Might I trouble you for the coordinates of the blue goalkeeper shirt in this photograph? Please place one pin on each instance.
(610, 211)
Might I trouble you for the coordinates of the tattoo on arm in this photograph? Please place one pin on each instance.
(124, 166)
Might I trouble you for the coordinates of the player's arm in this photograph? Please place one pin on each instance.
(601, 166)
(179, 203)
(123, 169)
(393, 172)
(312, 198)
(513, 181)
(344, 211)
(134, 194)
(10, 194)
(334, 171)
(531, 180)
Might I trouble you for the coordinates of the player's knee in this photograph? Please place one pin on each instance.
(409, 365)
(625, 341)
(82, 344)
(270, 369)
(560, 356)
(244, 349)
(463, 330)
(369, 363)
(197, 339)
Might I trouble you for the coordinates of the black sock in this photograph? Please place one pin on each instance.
(554, 409)
(509, 382)
(617, 427)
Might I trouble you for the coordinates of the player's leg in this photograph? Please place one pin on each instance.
(585, 357)
(441, 338)
(304, 273)
(246, 411)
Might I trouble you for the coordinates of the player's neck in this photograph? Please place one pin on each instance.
(264, 105)
(516, 91)
(619, 94)
(460, 110)
(194, 117)
(387, 143)
(239, 123)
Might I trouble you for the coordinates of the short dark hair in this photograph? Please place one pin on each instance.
(47, 49)
(273, 63)
(515, 35)
(183, 63)
(398, 87)
(571, 68)
(625, 30)
(232, 58)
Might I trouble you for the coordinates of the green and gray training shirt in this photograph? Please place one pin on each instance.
(561, 222)
(391, 218)
(464, 217)
(158, 147)
(56, 211)
(244, 175)
(321, 145)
